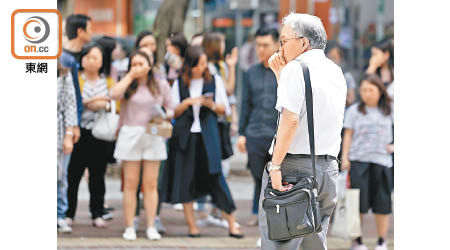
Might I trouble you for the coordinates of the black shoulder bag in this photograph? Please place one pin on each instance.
(295, 213)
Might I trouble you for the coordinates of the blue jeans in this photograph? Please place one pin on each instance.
(62, 189)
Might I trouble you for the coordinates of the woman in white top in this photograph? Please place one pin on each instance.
(194, 165)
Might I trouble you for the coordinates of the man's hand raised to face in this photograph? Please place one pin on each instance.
(276, 63)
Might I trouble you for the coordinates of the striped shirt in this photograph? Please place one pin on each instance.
(90, 90)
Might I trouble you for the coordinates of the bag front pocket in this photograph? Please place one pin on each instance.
(276, 222)
(297, 221)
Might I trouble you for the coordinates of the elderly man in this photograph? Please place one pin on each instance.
(303, 39)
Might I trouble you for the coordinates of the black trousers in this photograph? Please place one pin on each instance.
(91, 153)
(258, 156)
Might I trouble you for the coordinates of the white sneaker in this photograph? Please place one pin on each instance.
(382, 246)
(99, 223)
(258, 243)
(152, 234)
(63, 227)
(225, 224)
(211, 220)
(178, 207)
(68, 221)
(356, 246)
(202, 222)
(129, 234)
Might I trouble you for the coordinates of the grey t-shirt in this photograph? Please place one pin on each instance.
(372, 133)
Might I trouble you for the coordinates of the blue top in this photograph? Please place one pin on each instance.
(68, 60)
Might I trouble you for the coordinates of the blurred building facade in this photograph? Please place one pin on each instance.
(355, 24)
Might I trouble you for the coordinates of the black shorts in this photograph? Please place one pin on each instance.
(374, 182)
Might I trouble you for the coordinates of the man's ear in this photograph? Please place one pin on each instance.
(306, 44)
(80, 31)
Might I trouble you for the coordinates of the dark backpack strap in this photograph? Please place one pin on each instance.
(310, 117)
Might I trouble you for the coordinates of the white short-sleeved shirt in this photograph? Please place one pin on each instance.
(195, 90)
(329, 94)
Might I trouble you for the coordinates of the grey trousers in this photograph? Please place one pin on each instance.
(327, 174)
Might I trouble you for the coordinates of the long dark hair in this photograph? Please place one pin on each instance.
(86, 49)
(152, 83)
(193, 54)
(385, 101)
(108, 44)
(143, 34)
(386, 45)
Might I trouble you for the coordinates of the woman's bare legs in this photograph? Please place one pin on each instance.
(188, 209)
(131, 171)
(150, 184)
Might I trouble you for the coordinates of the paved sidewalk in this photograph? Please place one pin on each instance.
(85, 236)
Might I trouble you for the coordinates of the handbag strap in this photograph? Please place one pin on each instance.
(113, 106)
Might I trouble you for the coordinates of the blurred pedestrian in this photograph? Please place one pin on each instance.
(197, 39)
(214, 46)
(67, 120)
(120, 57)
(78, 32)
(194, 168)
(303, 40)
(143, 96)
(258, 120)
(334, 52)
(90, 152)
(366, 151)
(146, 39)
(175, 52)
(382, 61)
(225, 67)
(248, 55)
(146, 42)
(108, 45)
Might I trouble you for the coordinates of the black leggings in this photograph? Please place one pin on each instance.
(91, 153)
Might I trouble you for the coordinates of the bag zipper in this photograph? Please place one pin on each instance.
(290, 203)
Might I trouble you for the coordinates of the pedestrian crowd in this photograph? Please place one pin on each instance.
(193, 89)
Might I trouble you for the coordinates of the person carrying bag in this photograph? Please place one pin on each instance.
(300, 183)
(295, 213)
(106, 123)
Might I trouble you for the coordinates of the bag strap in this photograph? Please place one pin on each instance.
(113, 107)
(310, 117)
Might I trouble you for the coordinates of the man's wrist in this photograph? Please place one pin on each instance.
(273, 167)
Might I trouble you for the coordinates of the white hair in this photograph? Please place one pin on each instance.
(308, 26)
